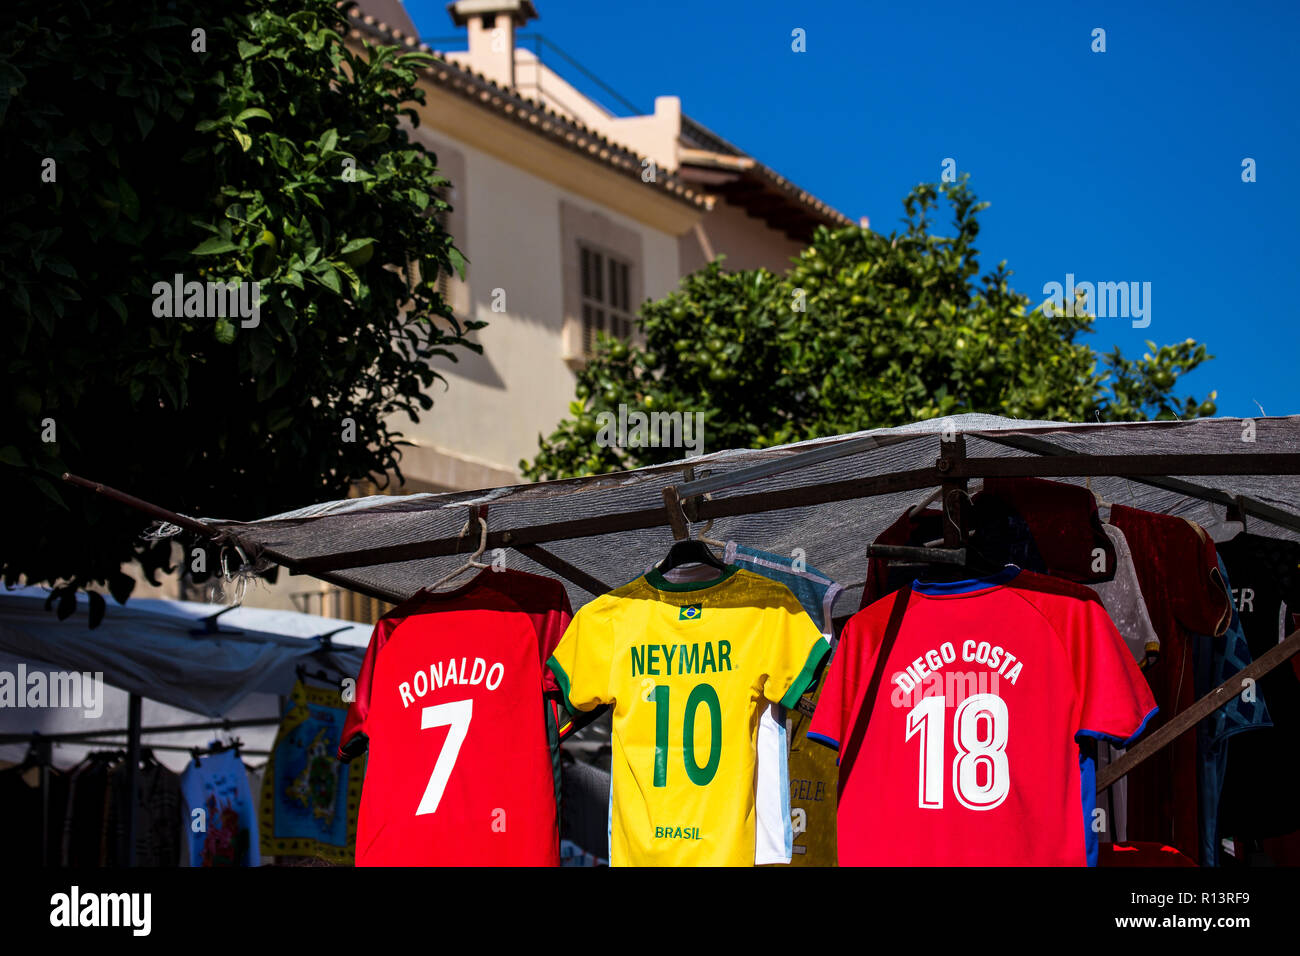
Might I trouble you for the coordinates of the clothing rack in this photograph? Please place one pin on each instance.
(90, 736)
(133, 733)
(687, 501)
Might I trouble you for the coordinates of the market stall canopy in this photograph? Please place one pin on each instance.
(828, 498)
(202, 658)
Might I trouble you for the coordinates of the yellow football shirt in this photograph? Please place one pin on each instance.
(686, 666)
(814, 781)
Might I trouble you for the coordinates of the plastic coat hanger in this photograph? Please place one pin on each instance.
(689, 551)
(473, 561)
(707, 527)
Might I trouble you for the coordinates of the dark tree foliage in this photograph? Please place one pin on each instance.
(238, 141)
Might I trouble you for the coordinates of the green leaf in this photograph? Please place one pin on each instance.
(130, 201)
(213, 246)
(457, 262)
(245, 141)
(49, 491)
(251, 112)
(116, 304)
(329, 278)
(144, 121)
(224, 331)
(247, 49)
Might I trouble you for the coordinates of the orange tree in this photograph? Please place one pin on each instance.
(864, 330)
(147, 139)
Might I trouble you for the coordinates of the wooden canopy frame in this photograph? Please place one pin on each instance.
(686, 502)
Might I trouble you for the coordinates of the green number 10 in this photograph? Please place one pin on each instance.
(701, 694)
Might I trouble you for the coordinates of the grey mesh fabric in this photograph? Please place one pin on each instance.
(833, 536)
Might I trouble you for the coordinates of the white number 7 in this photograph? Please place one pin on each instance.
(455, 714)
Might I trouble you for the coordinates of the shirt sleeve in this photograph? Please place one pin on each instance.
(794, 648)
(552, 629)
(1115, 702)
(356, 736)
(831, 717)
(581, 662)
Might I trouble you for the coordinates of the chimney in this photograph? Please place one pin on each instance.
(492, 25)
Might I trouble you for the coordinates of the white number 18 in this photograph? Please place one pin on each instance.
(973, 751)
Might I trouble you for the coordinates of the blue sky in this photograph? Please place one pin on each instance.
(1117, 166)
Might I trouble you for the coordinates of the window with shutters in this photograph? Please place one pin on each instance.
(606, 296)
(603, 280)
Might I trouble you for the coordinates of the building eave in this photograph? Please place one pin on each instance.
(530, 114)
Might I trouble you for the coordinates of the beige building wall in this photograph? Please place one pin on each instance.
(495, 405)
(748, 243)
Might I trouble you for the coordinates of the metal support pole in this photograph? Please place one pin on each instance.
(952, 454)
(45, 755)
(132, 774)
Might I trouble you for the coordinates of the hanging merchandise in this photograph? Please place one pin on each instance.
(1216, 662)
(1000, 746)
(1178, 570)
(1263, 773)
(807, 802)
(773, 822)
(584, 813)
(685, 665)
(1048, 527)
(1121, 596)
(994, 691)
(310, 799)
(463, 764)
(159, 818)
(85, 839)
(32, 793)
(222, 818)
(1063, 522)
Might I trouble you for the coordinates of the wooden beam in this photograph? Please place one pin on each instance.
(1100, 466)
(1189, 718)
(564, 569)
(1258, 509)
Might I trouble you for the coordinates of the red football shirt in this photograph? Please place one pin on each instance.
(449, 700)
(1178, 568)
(972, 753)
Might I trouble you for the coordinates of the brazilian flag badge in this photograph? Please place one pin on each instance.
(690, 612)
